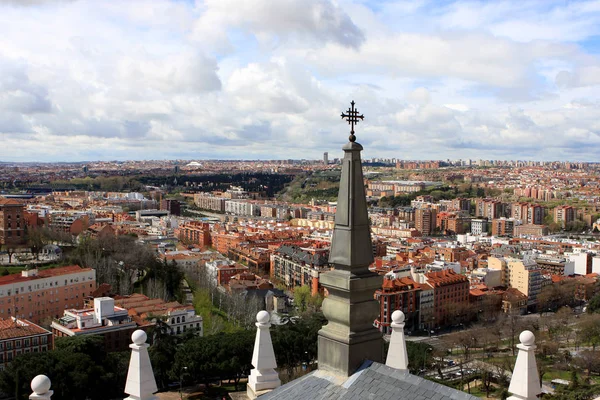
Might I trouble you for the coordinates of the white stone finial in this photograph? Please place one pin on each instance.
(527, 338)
(139, 337)
(263, 317)
(398, 317)
(525, 381)
(140, 383)
(41, 388)
(263, 376)
(397, 357)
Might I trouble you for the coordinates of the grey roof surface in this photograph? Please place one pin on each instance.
(299, 255)
(372, 381)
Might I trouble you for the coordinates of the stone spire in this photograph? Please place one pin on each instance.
(140, 383)
(41, 388)
(397, 357)
(263, 378)
(350, 338)
(525, 381)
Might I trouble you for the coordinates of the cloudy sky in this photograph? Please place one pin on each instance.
(268, 79)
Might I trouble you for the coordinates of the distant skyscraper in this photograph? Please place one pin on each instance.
(326, 158)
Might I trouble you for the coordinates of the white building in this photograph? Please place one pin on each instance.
(581, 262)
(596, 264)
(241, 207)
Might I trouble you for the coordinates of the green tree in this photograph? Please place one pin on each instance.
(301, 298)
(594, 304)
(162, 351)
(78, 367)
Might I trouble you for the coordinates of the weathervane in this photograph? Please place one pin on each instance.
(352, 118)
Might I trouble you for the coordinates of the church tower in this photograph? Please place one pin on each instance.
(350, 338)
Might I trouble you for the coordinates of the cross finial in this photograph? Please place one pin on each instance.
(352, 117)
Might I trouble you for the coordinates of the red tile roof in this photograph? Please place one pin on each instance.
(16, 328)
(47, 273)
(9, 202)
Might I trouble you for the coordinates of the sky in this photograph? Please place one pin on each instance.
(85, 80)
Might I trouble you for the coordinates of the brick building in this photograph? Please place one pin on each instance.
(12, 223)
(398, 294)
(20, 336)
(451, 296)
(223, 241)
(425, 220)
(488, 208)
(194, 232)
(39, 295)
(502, 227)
(171, 205)
(256, 258)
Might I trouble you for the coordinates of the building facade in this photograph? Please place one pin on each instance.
(41, 295)
(425, 220)
(297, 267)
(450, 295)
(111, 322)
(20, 336)
(12, 224)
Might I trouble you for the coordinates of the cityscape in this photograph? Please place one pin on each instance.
(223, 199)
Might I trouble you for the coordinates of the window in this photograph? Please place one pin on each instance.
(9, 356)
(35, 341)
(8, 345)
(18, 344)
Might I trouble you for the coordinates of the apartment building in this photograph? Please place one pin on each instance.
(425, 220)
(479, 226)
(242, 207)
(523, 275)
(171, 205)
(295, 266)
(12, 223)
(488, 208)
(450, 294)
(194, 232)
(563, 215)
(68, 223)
(503, 226)
(42, 295)
(20, 336)
(398, 294)
(210, 202)
(526, 277)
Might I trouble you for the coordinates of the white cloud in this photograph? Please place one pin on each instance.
(317, 20)
(268, 79)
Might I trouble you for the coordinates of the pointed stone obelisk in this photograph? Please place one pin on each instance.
(263, 377)
(397, 357)
(140, 383)
(41, 388)
(350, 338)
(525, 381)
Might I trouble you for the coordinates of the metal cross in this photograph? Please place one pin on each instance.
(352, 117)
